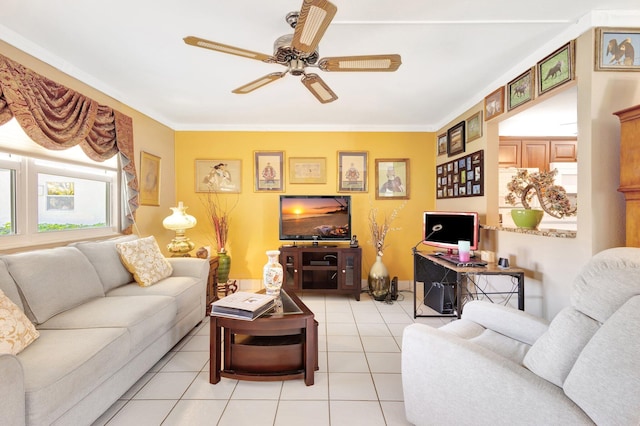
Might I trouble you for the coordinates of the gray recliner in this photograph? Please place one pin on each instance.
(498, 365)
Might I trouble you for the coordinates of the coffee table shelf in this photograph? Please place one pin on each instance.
(277, 346)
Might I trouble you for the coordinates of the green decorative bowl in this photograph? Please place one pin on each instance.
(527, 218)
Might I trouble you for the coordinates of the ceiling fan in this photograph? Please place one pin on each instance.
(298, 51)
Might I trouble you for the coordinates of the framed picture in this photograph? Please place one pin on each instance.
(462, 177)
(494, 104)
(455, 139)
(392, 179)
(520, 90)
(353, 172)
(307, 170)
(473, 127)
(149, 179)
(269, 170)
(616, 49)
(556, 69)
(442, 144)
(219, 176)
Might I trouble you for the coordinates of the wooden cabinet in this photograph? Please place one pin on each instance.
(629, 176)
(536, 152)
(510, 153)
(326, 269)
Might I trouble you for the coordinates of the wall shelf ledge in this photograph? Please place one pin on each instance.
(554, 233)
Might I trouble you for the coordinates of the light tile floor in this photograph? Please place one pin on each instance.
(358, 383)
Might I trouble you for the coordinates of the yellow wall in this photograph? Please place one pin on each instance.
(254, 222)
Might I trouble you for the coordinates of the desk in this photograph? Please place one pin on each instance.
(431, 269)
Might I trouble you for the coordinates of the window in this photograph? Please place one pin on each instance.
(45, 198)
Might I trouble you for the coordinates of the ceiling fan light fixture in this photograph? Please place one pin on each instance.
(319, 88)
(223, 48)
(313, 24)
(361, 63)
(256, 84)
(314, 19)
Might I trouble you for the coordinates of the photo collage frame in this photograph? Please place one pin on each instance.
(462, 177)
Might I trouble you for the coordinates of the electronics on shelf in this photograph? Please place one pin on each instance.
(321, 219)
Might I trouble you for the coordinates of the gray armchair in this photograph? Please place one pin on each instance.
(498, 365)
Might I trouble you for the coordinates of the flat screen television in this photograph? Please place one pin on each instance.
(444, 229)
(315, 218)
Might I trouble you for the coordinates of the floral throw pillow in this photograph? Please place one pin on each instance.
(16, 331)
(142, 257)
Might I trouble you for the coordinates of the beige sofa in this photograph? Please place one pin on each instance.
(498, 365)
(99, 330)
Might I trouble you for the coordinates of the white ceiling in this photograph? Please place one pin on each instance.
(454, 53)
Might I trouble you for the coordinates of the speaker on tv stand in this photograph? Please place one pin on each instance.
(440, 297)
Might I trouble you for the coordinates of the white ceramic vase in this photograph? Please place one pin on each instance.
(272, 273)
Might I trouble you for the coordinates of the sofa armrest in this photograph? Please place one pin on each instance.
(12, 392)
(450, 380)
(506, 320)
(189, 267)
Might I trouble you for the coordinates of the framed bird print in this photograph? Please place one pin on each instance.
(617, 49)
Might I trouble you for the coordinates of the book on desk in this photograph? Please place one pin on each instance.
(243, 305)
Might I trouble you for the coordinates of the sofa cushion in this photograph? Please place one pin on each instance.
(185, 290)
(106, 259)
(63, 366)
(145, 317)
(8, 286)
(53, 280)
(144, 260)
(16, 331)
(605, 379)
(603, 284)
(555, 352)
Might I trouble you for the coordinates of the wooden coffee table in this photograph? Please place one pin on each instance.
(281, 345)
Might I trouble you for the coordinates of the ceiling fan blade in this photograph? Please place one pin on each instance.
(256, 84)
(319, 88)
(375, 63)
(315, 17)
(223, 48)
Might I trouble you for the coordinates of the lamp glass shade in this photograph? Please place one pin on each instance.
(179, 220)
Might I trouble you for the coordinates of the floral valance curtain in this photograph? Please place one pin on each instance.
(57, 118)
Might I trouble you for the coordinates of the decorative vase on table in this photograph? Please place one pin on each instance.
(272, 273)
(378, 279)
(224, 266)
(527, 218)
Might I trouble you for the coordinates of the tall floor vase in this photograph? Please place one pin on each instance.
(378, 280)
(224, 265)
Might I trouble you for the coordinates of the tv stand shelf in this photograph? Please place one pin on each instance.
(322, 268)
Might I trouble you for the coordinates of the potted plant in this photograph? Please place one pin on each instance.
(553, 199)
(218, 215)
(379, 279)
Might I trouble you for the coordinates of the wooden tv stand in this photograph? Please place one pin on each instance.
(309, 268)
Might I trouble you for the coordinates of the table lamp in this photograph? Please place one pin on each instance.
(180, 221)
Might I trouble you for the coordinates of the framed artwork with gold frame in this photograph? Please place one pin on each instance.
(307, 170)
(556, 69)
(353, 172)
(494, 104)
(615, 48)
(149, 179)
(268, 171)
(392, 179)
(219, 176)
